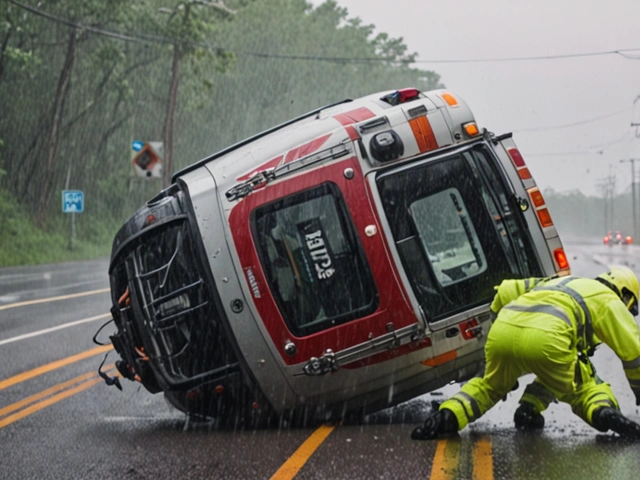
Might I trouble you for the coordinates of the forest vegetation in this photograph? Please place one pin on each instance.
(80, 80)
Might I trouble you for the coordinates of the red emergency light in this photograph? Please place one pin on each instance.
(401, 96)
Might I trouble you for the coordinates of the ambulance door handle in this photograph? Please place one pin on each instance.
(452, 332)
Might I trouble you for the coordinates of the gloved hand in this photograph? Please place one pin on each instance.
(442, 422)
(606, 418)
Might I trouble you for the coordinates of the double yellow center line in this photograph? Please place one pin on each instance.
(47, 397)
(53, 366)
(446, 460)
(445, 466)
(18, 410)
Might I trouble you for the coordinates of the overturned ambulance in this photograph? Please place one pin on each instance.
(342, 261)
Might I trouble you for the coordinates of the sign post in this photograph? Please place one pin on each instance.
(72, 202)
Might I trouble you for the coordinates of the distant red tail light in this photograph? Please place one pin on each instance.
(628, 240)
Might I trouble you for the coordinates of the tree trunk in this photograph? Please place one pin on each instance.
(5, 44)
(167, 168)
(61, 96)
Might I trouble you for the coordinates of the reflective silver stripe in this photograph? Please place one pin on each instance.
(634, 383)
(586, 314)
(526, 285)
(464, 408)
(631, 364)
(596, 395)
(472, 401)
(548, 309)
(540, 392)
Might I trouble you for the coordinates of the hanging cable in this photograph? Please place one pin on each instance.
(567, 125)
(559, 154)
(95, 337)
(145, 38)
(108, 380)
(613, 142)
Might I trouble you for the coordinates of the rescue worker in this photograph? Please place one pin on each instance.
(549, 327)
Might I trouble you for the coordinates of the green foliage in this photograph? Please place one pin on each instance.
(240, 72)
(23, 244)
(20, 58)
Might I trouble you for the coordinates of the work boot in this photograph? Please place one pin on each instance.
(526, 418)
(442, 422)
(608, 418)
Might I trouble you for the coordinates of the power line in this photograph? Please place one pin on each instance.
(620, 52)
(145, 38)
(560, 154)
(613, 142)
(99, 31)
(581, 122)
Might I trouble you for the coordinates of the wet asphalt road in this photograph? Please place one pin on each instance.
(59, 420)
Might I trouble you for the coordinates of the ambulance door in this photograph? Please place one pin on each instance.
(317, 268)
(457, 230)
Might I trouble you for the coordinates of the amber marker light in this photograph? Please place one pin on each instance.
(450, 99)
(471, 129)
(524, 173)
(536, 197)
(545, 217)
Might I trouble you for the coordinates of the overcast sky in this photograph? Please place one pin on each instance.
(522, 95)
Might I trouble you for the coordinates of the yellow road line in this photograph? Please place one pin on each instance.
(49, 401)
(52, 299)
(296, 461)
(21, 377)
(50, 391)
(482, 460)
(45, 393)
(446, 460)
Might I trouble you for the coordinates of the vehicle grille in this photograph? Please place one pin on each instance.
(171, 320)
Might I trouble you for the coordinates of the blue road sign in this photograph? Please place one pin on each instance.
(137, 145)
(72, 201)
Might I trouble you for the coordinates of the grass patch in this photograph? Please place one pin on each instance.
(22, 243)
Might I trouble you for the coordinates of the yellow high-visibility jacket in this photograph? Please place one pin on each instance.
(592, 313)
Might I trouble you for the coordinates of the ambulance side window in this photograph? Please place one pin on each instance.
(443, 221)
(313, 261)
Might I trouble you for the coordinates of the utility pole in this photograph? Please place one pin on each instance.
(633, 196)
(612, 192)
(607, 186)
(636, 124)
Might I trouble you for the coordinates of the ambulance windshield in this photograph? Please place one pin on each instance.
(455, 230)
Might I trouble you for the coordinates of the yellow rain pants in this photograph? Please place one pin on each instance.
(539, 328)
(512, 351)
